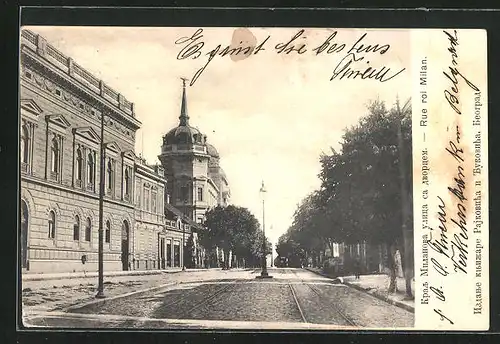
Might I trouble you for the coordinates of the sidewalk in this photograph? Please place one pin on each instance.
(376, 285)
(94, 274)
(59, 294)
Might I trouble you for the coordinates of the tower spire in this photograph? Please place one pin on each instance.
(184, 118)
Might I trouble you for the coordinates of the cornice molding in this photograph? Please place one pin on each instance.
(28, 57)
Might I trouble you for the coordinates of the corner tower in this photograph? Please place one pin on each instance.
(185, 159)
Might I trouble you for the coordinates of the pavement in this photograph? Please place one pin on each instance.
(49, 294)
(377, 286)
(217, 299)
(70, 275)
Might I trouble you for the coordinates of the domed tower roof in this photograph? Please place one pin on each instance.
(212, 151)
(184, 133)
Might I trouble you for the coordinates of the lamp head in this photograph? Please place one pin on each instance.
(262, 188)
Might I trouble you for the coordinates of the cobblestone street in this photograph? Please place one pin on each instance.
(294, 298)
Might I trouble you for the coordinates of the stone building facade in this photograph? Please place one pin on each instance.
(195, 180)
(61, 105)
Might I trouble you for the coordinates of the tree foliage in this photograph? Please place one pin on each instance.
(362, 188)
(234, 229)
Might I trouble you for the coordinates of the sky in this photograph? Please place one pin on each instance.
(269, 115)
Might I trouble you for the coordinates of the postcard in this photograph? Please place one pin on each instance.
(222, 178)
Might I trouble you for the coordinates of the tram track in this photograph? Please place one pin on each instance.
(206, 300)
(314, 289)
(297, 303)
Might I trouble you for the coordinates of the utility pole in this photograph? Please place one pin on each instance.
(100, 285)
(264, 273)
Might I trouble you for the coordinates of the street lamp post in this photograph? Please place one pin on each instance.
(264, 273)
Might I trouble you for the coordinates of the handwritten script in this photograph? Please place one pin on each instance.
(454, 75)
(450, 240)
(354, 57)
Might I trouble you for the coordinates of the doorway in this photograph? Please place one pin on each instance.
(162, 253)
(23, 234)
(125, 245)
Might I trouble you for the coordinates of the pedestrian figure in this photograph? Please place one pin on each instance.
(357, 268)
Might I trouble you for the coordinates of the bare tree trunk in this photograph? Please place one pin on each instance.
(407, 265)
(391, 264)
(407, 256)
(226, 259)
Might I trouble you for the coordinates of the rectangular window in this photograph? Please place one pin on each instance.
(169, 253)
(177, 254)
(200, 194)
(145, 205)
(153, 201)
(138, 195)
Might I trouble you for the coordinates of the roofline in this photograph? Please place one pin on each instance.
(37, 49)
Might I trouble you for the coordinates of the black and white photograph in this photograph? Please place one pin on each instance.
(216, 178)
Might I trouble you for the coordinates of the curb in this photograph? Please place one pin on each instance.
(374, 294)
(98, 301)
(94, 302)
(337, 279)
(41, 277)
(382, 297)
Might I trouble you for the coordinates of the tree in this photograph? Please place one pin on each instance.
(189, 253)
(365, 192)
(372, 179)
(233, 229)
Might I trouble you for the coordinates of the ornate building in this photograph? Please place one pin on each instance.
(61, 105)
(195, 180)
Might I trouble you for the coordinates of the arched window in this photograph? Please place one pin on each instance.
(55, 156)
(79, 164)
(110, 175)
(88, 229)
(127, 182)
(25, 144)
(90, 169)
(153, 201)
(76, 229)
(107, 237)
(52, 225)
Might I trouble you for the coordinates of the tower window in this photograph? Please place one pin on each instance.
(200, 194)
(153, 201)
